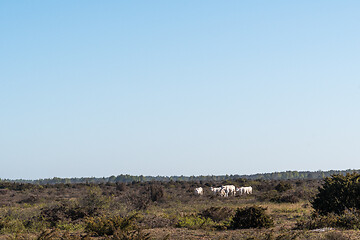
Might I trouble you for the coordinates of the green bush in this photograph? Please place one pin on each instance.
(121, 187)
(277, 197)
(138, 200)
(194, 222)
(130, 235)
(349, 219)
(217, 214)
(68, 226)
(35, 225)
(55, 234)
(119, 228)
(283, 186)
(317, 221)
(106, 225)
(93, 202)
(10, 225)
(251, 217)
(156, 193)
(268, 196)
(62, 212)
(286, 198)
(335, 236)
(337, 194)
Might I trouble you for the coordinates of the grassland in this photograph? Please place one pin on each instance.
(160, 210)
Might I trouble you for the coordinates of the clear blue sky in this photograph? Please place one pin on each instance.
(100, 88)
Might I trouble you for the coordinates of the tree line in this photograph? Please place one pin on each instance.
(126, 178)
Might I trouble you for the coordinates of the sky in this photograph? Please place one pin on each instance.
(101, 88)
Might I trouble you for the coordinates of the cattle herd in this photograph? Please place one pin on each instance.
(225, 191)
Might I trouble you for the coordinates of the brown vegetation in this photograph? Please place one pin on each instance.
(167, 210)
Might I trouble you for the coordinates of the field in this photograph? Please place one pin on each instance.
(156, 210)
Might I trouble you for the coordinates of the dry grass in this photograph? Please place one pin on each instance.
(159, 218)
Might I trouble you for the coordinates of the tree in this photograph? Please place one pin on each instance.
(338, 193)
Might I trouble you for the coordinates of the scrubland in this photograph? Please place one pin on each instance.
(164, 210)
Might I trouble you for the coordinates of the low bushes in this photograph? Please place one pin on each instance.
(14, 225)
(337, 204)
(19, 220)
(217, 214)
(210, 218)
(337, 194)
(9, 225)
(55, 234)
(156, 193)
(251, 217)
(105, 225)
(121, 187)
(194, 222)
(93, 202)
(120, 228)
(154, 221)
(138, 200)
(277, 197)
(224, 218)
(350, 219)
(65, 211)
(283, 187)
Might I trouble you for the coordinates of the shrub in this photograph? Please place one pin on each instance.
(349, 219)
(154, 221)
(121, 228)
(130, 235)
(54, 234)
(64, 211)
(194, 222)
(338, 193)
(4, 191)
(317, 221)
(9, 225)
(53, 214)
(31, 199)
(156, 193)
(217, 214)
(286, 198)
(93, 202)
(274, 196)
(106, 225)
(335, 236)
(138, 201)
(283, 186)
(120, 186)
(264, 185)
(251, 217)
(47, 235)
(268, 196)
(35, 225)
(68, 226)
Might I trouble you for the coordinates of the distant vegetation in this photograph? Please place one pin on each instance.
(140, 210)
(126, 178)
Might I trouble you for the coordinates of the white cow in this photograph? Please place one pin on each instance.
(230, 189)
(239, 190)
(244, 190)
(248, 190)
(223, 192)
(215, 190)
(199, 191)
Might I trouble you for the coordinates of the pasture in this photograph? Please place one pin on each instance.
(157, 210)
